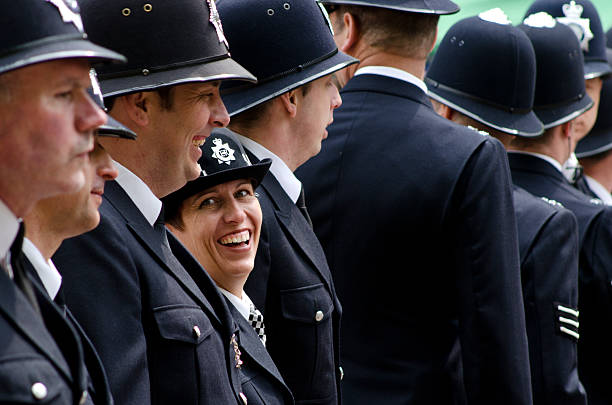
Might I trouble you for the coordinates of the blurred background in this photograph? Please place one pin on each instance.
(515, 9)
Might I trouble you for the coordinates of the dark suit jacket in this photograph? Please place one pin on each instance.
(540, 178)
(98, 387)
(416, 217)
(262, 383)
(33, 351)
(291, 284)
(548, 244)
(141, 307)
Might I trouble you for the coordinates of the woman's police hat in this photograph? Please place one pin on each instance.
(560, 94)
(167, 42)
(412, 6)
(485, 68)
(223, 159)
(35, 31)
(582, 17)
(599, 140)
(285, 43)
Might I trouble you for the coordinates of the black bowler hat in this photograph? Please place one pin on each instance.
(112, 128)
(560, 94)
(582, 17)
(285, 43)
(167, 42)
(485, 68)
(412, 6)
(223, 159)
(34, 31)
(599, 140)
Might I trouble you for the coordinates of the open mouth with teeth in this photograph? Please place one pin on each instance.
(198, 142)
(238, 239)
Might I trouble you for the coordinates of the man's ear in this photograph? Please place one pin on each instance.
(442, 109)
(568, 128)
(289, 101)
(349, 36)
(137, 107)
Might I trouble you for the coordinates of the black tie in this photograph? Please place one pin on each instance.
(19, 276)
(301, 204)
(160, 227)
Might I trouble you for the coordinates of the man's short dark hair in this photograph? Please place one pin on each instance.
(402, 33)
(166, 96)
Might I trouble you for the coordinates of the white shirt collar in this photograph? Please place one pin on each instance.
(394, 73)
(149, 205)
(50, 277)
(279, 169)
(9, 226)
(599, 190)
(243, 305)
(547, 158)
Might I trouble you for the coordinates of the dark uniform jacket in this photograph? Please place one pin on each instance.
(262, 383)
(416, 217)
(540, 178)
(40, 362)
(548, 245)
(163, 339)
(292, 286)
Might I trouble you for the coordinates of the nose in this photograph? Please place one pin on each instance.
(88, 116)
(106, 169)
(218, 113)
(336, 98)
(233, 212)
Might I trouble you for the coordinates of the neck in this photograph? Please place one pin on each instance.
(556, 145)
(374, 57)
(45, 237)
(600, 171)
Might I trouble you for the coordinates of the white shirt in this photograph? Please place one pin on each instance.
(50, 277)
(148, 204)
(547, 158)
(393, 73)
(9, 226)
(279, 169)
(599, 190)
(243, 305)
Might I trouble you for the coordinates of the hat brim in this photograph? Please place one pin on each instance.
(255, 172)
(520, 124)
(436, 7)
(594, 143)
(240, 98)
(114, 129)
(551, 117)
(594, 69)
(68, 49)
(222, 69)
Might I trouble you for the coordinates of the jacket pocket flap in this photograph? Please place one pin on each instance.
(310, 304)
(183, 323)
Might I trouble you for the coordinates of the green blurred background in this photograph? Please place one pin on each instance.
(515, 9)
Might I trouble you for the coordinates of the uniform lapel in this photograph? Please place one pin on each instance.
(151, 241)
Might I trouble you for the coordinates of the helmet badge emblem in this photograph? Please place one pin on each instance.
(215, 20)
(222, 152)
(69, 10)
(580, 26)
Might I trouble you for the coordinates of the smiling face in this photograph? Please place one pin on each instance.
(221, 228)
(181, 128)
(47, 121)
(314, 115)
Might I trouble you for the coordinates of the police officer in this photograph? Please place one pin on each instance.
(416, 217)
(536, 166)
(162, 337)
(582, 17)
(289, 46)
(494, 51)
(47, 122)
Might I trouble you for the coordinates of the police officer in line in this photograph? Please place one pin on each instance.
(582, 17)
(494, 51)
(162, 329)
(415, 214)
(284, 118)
(536, 166)
(595, 150)
(47, 121)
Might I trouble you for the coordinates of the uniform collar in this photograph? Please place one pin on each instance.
(148, 204)
(599, 190)
(243, 305)
(393, 73)
(279, 169)
(9, 226)
(50, 277)
(547, 158)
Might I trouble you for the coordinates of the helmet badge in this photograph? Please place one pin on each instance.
(580, 26)
(222, 152)
(215, 20)
(69, 10)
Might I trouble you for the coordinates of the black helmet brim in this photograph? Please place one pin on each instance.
(552, 117)
(115, 129)
(439, 7)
